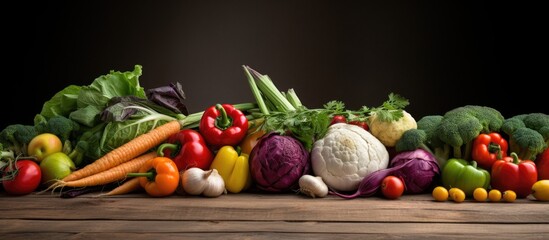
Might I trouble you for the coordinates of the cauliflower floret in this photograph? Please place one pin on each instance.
(389, 132)
(346, 155)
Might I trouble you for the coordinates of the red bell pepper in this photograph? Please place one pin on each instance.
(187, 149)
(487, 148)
(517, 175)
(223, 125)
(542, 162)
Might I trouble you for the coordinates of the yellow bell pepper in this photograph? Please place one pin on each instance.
(233, 167)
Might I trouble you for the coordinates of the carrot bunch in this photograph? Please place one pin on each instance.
(116, 164)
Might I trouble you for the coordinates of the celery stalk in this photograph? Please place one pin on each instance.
(293, 99)
(256, 92)
(273, 94)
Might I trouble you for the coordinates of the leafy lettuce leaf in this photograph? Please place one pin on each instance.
(84, 104)
(62, 103)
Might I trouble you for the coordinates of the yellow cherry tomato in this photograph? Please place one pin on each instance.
(509, 196)
(451, 191)
(480, 194)
(494, 195)
(457, 195)
(440, 194)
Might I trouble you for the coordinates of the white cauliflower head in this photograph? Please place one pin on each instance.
(346, 155)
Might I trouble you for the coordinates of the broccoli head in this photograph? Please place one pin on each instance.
(412, 139)
(16, 138)
(59, 125)
(528, 134)
(425, 137)
(429, 124)
(539, 122)
(460, 126)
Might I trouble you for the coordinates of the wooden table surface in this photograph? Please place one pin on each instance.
(267, 216)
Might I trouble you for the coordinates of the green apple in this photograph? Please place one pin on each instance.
(43, 145)
(56, 166)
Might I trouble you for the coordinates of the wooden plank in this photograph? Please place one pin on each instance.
(265, 230)
(272, 207)
(263, 236)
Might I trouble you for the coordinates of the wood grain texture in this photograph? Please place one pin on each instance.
(267, 216)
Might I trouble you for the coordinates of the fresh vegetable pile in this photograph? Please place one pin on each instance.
(114, 137)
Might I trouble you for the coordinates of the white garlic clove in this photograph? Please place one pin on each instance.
(313, 186)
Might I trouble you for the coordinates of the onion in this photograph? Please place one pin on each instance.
(417, 168)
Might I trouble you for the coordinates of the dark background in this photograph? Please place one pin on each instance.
(438, 54)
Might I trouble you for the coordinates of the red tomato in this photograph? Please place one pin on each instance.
(360, 124)
(338, 119)
(392, 187)
(26, 180)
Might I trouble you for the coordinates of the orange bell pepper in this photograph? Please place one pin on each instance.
(159, 176)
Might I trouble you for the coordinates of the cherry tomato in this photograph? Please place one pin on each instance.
(26, 179)
(392, 187)
(457, 195)
(440, 194)
(360, 124)
(494, 195)
(338, 119)
(509, 196)
(480, 194)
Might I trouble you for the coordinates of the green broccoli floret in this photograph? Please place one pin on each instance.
(6, 153)
(429, 124)
(528, 134)
(412, 139)
(16, 138)
(540, 123)
(5, 157)
(460, 126)
(510, 125)
(527, 143)
(61, 126)
(424, 137)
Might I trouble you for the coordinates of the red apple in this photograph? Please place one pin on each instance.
(43, 145)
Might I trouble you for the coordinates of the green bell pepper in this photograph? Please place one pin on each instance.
(464, 175)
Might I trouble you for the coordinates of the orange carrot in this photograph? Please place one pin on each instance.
(108, 176)
(127, 151)
(126, 187)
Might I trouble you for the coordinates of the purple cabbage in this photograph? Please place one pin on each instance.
(277, 162)
(417, 168)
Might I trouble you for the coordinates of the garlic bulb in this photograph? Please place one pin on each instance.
(196, 181)
(215, 185)
(313, 186)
